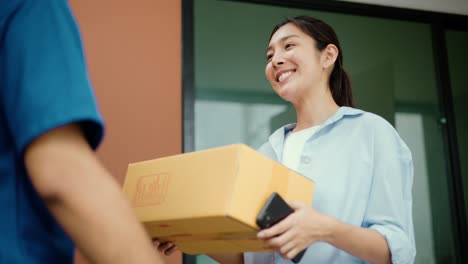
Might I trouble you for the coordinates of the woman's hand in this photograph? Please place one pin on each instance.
(166, 248)
(297, 231)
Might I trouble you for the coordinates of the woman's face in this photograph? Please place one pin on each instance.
(294, 64)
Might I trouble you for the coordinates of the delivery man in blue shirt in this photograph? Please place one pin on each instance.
(52, 186)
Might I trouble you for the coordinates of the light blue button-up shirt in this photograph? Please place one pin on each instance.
(363, 173)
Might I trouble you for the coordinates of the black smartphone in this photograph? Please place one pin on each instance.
(275, 210)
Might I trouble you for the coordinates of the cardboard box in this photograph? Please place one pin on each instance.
(207, 201)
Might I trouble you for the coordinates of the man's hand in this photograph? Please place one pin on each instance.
(166, 248)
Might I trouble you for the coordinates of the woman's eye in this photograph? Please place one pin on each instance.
(288, 45)
(269, 56)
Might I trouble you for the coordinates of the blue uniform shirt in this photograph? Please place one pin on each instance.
(363, 173)
(43, 85)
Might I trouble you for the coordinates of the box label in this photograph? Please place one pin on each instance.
(151, 190)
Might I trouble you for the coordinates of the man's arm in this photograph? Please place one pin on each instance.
(85, 199)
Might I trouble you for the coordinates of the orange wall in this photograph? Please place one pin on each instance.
(133, 50)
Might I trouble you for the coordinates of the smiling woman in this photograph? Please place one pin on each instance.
(305, 68)
(389, 77)
(367, 197)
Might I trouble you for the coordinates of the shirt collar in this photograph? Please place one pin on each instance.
(341, 113)
(277, 138)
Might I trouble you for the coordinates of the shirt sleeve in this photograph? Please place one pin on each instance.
(44, 78)
(389, 210)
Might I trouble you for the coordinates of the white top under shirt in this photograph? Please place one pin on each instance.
(293, 145)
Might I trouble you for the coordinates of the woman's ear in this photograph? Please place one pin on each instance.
(329, 55)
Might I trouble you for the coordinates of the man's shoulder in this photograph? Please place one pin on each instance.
(7, 8)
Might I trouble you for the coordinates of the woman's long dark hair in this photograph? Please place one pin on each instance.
(323, 34)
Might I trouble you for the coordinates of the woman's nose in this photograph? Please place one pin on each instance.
(277, 60)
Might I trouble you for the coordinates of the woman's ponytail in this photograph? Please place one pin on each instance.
(340, 86)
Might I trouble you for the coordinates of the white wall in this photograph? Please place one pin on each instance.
(219, 123)
(445, 6)
(410, 127)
